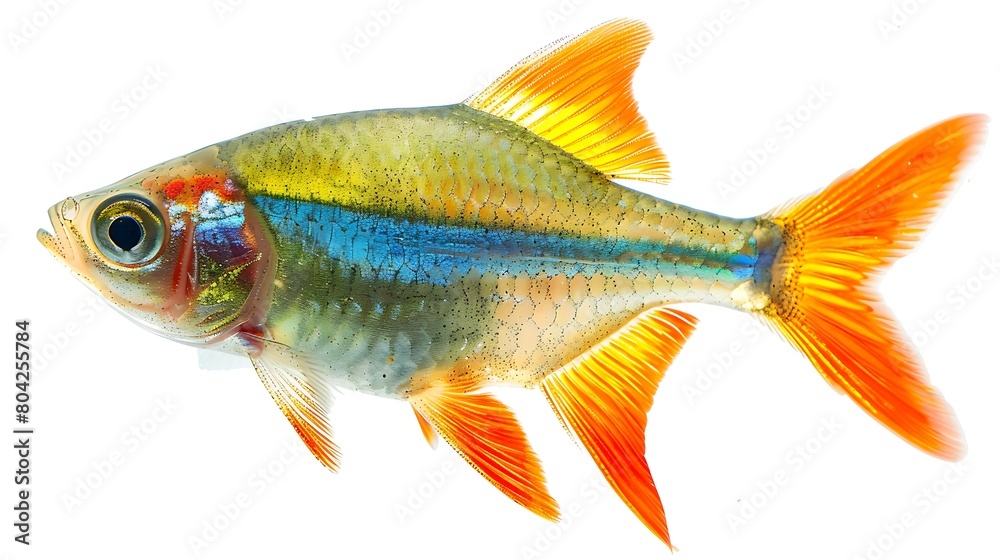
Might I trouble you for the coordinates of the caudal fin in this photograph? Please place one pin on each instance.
(836, 245)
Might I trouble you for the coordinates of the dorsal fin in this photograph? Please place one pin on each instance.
(577, 93)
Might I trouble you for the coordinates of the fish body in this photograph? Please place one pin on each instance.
(460, 239)
(427, 254)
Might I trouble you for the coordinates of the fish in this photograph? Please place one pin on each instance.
(430, 254)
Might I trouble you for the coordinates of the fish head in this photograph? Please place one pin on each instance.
(176, 248)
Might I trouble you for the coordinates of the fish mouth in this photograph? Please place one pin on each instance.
(50, 242)
(59, 244)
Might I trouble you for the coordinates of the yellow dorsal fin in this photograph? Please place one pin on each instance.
(577, 93)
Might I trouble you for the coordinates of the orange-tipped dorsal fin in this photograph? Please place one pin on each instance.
(487, 435)
(837, 244)
(603, 397)
(577, 93)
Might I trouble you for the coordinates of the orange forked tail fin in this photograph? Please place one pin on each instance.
(835, 246)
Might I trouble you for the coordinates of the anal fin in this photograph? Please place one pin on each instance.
(487, 435)
(603, 396)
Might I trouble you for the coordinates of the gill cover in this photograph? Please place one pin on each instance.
(175, 248)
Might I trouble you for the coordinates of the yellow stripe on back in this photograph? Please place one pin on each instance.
(577, 93)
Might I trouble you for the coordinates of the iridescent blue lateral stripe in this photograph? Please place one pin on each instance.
(382, 247)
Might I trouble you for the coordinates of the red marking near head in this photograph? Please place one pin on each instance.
(202, 183)
(188, 191)
(184, 275)
(174, 188)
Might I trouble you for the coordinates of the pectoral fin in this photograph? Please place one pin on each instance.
(487, 435)
(304, 398)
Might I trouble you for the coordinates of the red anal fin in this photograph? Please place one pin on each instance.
(487, 435)
(603, 396)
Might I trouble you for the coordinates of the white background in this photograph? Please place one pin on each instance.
(230, 72)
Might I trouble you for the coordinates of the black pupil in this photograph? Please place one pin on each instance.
(125, 232)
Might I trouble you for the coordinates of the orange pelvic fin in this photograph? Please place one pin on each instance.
(603, 397)
(487, 435)
(577, 94)
(836, 245)
(426, 429)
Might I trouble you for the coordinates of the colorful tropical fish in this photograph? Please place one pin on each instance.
(426, 254)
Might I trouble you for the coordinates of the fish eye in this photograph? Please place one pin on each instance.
(125, 232)
(128, 230)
